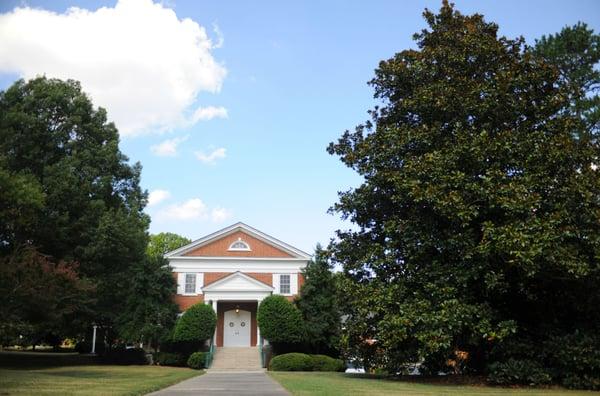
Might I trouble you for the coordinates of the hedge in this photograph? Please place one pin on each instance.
(327, 363)
(124, 356)
(170, 359)
(197, 360)
(196, 325)
(280, 321)
(291, 362)
(304, 362)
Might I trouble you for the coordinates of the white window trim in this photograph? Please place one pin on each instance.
(293, 284)
(233, 249)
(181, 283)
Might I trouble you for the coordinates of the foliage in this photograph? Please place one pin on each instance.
(70, 192)
(327, 363)
(478, 218)
(196, 325)
(319, 305)
(40, 297)
(575, 51)
(574, 359)
(124, 356)
(164, 242)
(170, 359)
(197, 360)
(291, 362)
(280, 321)
(524, 372)
(86, 346)
(303, 362)
(149, 313)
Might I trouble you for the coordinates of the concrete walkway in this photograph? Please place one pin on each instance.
(226, 383)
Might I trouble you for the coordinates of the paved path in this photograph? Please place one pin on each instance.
(226, 383)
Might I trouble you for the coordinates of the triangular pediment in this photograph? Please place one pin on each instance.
(237, 281)
(224, 243)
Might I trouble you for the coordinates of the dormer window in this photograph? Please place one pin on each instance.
(239, 246)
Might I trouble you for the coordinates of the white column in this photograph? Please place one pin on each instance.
(214, 305)
(94, 341)
(258, 338)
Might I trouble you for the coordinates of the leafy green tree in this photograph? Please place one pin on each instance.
(21, 198)
(149, 313)
(164, 242)
(90, 209)
(478, 218)
(575, 51)
(319, 305)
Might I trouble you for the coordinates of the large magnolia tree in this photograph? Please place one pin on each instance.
(478, 221)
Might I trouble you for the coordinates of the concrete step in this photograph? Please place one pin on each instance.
(230, 358)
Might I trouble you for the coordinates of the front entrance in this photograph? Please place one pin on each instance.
(236, 328)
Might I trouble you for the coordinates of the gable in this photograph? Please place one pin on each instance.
(220, 247)
(237, 282)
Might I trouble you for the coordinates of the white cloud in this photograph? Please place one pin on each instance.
(157, 196)
(219, 215)
(137, 59)
(168, 148)
(192, 209)
(212, 157)
(208, 113)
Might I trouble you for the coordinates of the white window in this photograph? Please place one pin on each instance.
(239, 245)
(284, 284)
(190, 283)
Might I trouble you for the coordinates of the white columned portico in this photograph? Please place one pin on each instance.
(236, 288)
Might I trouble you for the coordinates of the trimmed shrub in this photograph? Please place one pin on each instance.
(125, 356)
(291, 362)
(280, 321)
(197, 360)
(170, 359)
(195, 326)
(327, 363)
(513, 371)
(86, 347)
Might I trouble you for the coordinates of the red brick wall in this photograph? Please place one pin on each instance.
(219, 248)
(185, 302)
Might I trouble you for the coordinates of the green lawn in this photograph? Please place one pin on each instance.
(345, 384)
(91, 380)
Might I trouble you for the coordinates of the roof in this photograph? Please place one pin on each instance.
(297, 253)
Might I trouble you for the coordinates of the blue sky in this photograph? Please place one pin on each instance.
(271, 83)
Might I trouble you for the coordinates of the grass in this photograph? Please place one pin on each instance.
(319, 383)
(90, 380)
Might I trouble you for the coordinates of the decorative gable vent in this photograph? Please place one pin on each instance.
(239, 246)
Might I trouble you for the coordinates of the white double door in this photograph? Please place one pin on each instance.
(236, 328)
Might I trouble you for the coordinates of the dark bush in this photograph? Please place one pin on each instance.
(327, 363)
(280, 321)
(575, 359)
(197, 360)
(170, 359)
(195, 326)
(513, 371)
(125, 356)
(291, 362)
(86, 347)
